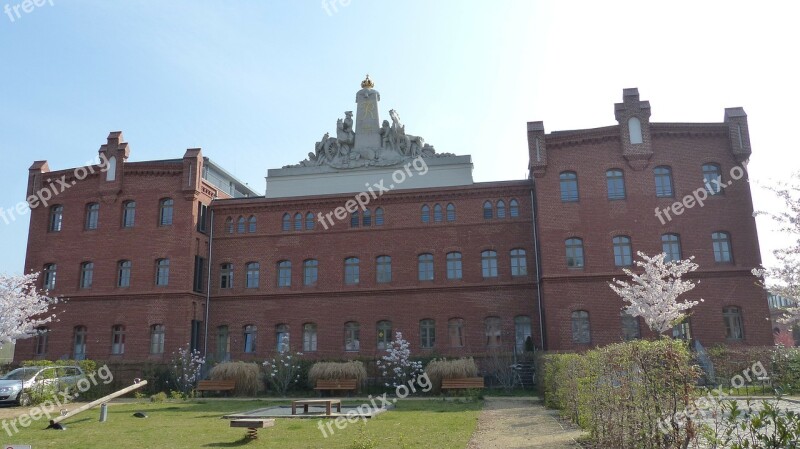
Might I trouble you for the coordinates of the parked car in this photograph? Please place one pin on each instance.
(16, 386)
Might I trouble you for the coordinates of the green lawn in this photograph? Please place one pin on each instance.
(197, 424)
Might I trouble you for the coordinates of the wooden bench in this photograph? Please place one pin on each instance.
(253, 425)
(337, 384)
(327, 403)
(464, 383)
(215, 385)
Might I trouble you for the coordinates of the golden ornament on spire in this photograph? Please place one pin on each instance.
(367, 83)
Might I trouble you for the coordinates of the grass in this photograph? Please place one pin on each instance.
(197, 424)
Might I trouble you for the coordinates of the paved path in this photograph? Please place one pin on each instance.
(516, 423)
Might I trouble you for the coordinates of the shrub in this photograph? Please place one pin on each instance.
(283, 371)
(246, 375)
(396, 366)
(158, 397)
(186, 365)
(449, 369)
(337, 370)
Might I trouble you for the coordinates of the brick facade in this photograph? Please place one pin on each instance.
(330, 303)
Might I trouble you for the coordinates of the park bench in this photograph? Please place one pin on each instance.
(252, 425)
(337, 384)
(464, 383)
(215, 385)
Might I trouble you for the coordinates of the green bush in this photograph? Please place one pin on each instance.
(620, 393)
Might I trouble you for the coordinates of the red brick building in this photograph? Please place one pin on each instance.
(459, 267)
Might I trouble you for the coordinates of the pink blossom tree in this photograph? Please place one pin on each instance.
(783, 278)
(23, 307)
(653, 294)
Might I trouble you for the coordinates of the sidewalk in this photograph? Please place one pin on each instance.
(520, 422)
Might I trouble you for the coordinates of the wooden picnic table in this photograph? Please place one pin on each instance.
(328, 403)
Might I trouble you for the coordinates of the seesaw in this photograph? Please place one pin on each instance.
(54, 423)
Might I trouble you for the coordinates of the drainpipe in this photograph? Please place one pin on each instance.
(537, 259)
(208, 280)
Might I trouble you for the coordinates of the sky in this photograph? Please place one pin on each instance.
(256, 83)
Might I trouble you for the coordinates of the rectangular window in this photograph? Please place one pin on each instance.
(223, 344)
(427, 333)
(454, 265)
(124, 275)
(310, 272)
(117, 339)
(351, 271)
(383, 269)
(198, 283)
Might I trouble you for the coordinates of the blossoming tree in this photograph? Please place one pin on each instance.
(653, 294)
(23, 307)
(283, 370)
(783, 278)
(396, 365)
(186, 367)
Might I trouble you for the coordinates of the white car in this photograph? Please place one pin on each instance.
(15, 387)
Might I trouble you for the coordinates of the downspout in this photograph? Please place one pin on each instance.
(537, 258)
(208, 276)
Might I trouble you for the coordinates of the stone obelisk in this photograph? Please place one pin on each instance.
(368, 125)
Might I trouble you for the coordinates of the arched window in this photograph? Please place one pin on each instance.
(128, 214)
(229, 225)
(712, 176)
(379, 217)
(519, 262)
(351, 271)
(384, 331)
(734, 330)
(309, 221)
(87, 274)
(569, 186)
(581, 333)
(249, 340)
(671, 246)
(663, 179)
(501, 209)
(451, 212)
(383, 269)
(455, 332)
(223, 344)
(253, 271)
(284, 273)
(425, 214)
(574, 247)
(157, 339)
(56, 218)
(226, 275)
(366, 220)
(111, 169)
(251, 224)
(721, 242)
(427, 333)
(162, 272)
(615, 184)
(489, 264)
(124, 273)
(454, 270)
(117, 339)
(488, 211)
(630, 326)
(42, 337)
(352, 337)
(310, 271)
(493, 331)
(165, 212)
(79, 342)
(425, 267)
(635, 130)
(513, 208)
(623, 254)
(286, 222)
(437, 213)
(354, 220)
(282, 338)
(309, 337)
(240, 225)
(92, 216)
(298, 221)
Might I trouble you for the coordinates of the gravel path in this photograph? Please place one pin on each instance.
(516, 423)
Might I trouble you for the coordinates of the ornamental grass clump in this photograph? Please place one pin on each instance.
(438, 369)
(246, 375)
(337, 371)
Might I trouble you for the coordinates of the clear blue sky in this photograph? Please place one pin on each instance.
(256, 83)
